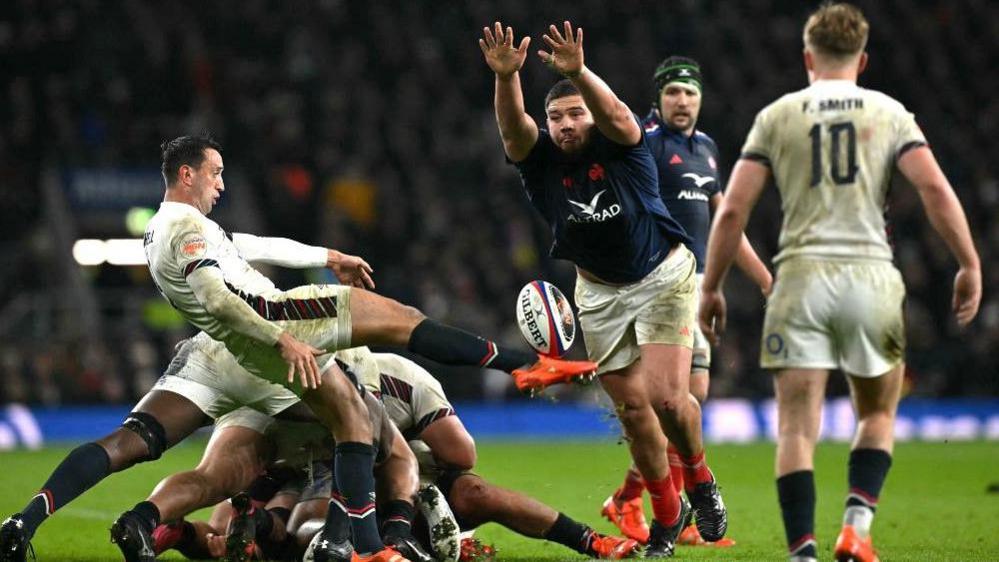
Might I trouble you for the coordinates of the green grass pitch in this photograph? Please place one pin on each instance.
(935, 505)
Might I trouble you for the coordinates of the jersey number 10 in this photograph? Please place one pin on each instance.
(836, 169)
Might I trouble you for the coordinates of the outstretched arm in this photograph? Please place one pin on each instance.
(947, 217)
(284, 252)
(518, 131)
(611, 116)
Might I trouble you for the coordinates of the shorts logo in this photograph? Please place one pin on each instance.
(193, 246)
(685, 331)
(775, 345)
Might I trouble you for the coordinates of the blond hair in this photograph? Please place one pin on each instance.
(837, 31)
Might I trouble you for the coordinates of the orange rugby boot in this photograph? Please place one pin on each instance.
(386, 554)
(851, 548)
(690, 537)
(607, 547)
(548, 371)
(628, 516)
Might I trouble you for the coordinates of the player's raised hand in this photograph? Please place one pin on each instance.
(501, 56)
(350, 270)
(566, 55)
(301, 359)
(967, 295)
(711, 315)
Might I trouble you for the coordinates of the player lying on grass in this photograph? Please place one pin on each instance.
(268, 522)
(243, 445)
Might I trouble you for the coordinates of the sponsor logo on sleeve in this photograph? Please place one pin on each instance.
(193, 246)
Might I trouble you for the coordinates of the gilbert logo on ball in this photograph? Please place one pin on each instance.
(545, 318)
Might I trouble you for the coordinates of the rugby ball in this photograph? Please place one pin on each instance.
(545, 318)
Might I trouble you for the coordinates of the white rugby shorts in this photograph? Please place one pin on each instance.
(834, 314)
(660, 308)
(205, 373)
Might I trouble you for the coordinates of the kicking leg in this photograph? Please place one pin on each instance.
(377, 320)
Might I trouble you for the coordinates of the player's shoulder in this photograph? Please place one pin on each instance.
(882, 101)
(787, 101)
(175, 220)
(705, 138)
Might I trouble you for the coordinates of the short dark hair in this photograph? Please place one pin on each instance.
(561, 89)
(188, 150)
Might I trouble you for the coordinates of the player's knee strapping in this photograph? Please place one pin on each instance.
(150, 430)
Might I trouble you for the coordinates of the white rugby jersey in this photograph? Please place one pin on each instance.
(199, 267)
(413, 398)
(833, 147)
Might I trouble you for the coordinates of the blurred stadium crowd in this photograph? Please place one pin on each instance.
(368, 127)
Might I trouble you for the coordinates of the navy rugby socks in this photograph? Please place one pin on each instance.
(796, 492)
(81, 470)
(570, 533)
(398, 519)
(866, 475)
(451, 346)
(354, 463)
(148, 514)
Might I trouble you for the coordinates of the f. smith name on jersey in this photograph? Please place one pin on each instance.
(843, 104)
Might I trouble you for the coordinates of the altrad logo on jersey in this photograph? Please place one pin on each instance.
(691, 195)
(590, 213)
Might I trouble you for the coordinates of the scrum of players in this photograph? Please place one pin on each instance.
(323, 450)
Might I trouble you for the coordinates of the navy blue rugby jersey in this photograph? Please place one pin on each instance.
(603, 206)
(688, 178)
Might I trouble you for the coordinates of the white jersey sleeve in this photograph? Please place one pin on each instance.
(833, 148)
(282, 252)
(180, 242)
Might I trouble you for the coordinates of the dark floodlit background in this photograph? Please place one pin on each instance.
(368, 127)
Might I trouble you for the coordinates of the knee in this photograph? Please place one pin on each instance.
(216, 485)
(675, 401)
(634, 414)
(408, 317)
(130, 444)
(699, 386)
(469, 500)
